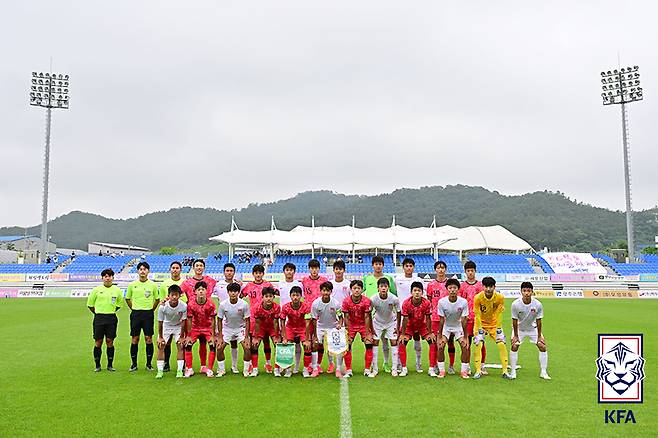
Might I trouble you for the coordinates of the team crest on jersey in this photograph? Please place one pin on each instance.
(620, 369)
(483, 308)
(147, 293)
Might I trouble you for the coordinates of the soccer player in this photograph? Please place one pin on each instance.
(188, 287)
(453, 312)
(285, 286)
(341, 288)
(527, 314)
(233, 315)
(325, 315)
(254, 292)
(488, 306)
(469, 289)
(266, 315)
(313, 281)
(221, 291)
(175, 269)
(293, 328)
(172, 316)
(436, 290)
(356, 313)
(142, 297)
(370, 289)
(415, 320)
(201, 321)
(104, 301)
(385, 322)
(403, 287)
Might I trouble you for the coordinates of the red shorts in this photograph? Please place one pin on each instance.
(469, 327)
(422, 331)
(266, 332)
(353, 331)
(292, 333)
(435, 327)
(206, 335)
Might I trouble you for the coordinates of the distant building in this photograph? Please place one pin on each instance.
(25, 244)
(95, 248)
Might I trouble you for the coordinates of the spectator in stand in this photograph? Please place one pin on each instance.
(100, 253)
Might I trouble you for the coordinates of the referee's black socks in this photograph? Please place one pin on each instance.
(97, 356)
(133, 353)
(149, 354)
(110, 355)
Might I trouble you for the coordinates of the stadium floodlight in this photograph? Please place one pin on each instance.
(49, 91)
(619, 88)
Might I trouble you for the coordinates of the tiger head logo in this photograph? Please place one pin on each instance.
(620, 368)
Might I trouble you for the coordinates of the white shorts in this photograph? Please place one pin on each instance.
(169, 332)
(529, 334)
(384, 331)
(457, 331)
(230, 334)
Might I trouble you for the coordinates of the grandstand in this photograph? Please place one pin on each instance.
(502, 263)
(160, 263)
(15, 268)
(93, 264)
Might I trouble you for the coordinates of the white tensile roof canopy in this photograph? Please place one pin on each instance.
(396, 237)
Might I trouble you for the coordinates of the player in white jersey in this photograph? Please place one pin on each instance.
(283, 287)
(453, 311)
(385, 322)
(325, 315)
(403, 288)
(527, 314)
(171, 325)
(233, 313)
(341, 288)
(220, 290)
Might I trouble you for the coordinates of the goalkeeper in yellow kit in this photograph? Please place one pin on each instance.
(488, 306)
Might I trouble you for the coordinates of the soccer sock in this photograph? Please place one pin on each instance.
(368, 357)
(254, 358)
(465, 367)
(513, 359)
(478, 357)
(221, 365)
(211, 358)
(502, 349)
(433, 353)
(386, 350)
(348, 360)
(403, 354)
(442, 366)
(160, 364)
(234, 357)
(188, 358)
(314, 359)
(298, 355)
(543, 360)
(167, 353)
(418, 346)
(202, 353)
(484, 353)
(395, 356)
(451, 352)
(181, 364)
(149, 354)
(246, 364)
(267, 350)
(97, 356)
(134, 348)
(110, 355)
(375, 358)
(307, 360)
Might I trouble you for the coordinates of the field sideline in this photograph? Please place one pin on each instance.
(48, 387)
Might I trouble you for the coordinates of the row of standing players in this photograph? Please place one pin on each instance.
(380, 309)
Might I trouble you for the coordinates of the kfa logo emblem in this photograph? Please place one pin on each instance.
(620, 368)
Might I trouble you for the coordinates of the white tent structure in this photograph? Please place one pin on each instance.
(394, 238)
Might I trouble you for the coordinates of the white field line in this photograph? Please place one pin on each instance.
(345, 415)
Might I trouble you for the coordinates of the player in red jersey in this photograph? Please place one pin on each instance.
(199, 267)
(313, 281)
(254, 292)
(415, 320)
(201, 312)
(356, 315)
(293, 327)
(266, 315)
(436, 290)
(468, 290)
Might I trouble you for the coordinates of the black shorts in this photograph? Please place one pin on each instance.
(141, 320)
(105, 325)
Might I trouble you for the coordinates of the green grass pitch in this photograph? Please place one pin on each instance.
(48, 387)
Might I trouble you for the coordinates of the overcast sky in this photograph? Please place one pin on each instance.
(219, 104)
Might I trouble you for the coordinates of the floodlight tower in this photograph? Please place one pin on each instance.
(621, 87)
(48, 90)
